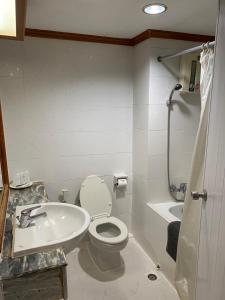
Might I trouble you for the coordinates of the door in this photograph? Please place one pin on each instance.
(211, 261)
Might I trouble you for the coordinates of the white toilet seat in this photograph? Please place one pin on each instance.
(95, 197)
(109, 240)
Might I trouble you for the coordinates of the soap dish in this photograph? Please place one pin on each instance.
(20, 187)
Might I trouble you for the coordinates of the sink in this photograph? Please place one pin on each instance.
(63, 226)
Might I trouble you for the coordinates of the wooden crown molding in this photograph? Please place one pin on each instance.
(171, 35)
(49, 34)
(149, 33)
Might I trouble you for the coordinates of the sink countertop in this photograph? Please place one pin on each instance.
(17, 267)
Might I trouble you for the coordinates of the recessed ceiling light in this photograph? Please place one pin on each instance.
(155, 8)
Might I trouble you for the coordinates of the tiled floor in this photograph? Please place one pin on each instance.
(85, 282)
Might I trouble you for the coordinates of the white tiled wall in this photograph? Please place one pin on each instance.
(153, 83)
(68, 113)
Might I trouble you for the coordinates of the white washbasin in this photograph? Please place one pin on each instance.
(63, 226)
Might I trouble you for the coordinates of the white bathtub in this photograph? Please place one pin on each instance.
(170, 211)
(159, 216)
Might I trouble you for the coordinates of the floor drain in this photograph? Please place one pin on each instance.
(152, 277)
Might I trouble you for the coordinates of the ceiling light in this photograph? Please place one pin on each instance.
(155, 8)
(8, 17)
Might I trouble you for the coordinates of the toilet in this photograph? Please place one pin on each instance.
(108, 235)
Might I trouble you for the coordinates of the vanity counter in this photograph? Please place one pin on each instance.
(11, 268)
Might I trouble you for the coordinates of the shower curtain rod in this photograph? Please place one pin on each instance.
(210, 45)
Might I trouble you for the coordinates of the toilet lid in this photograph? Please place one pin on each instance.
(95, 196)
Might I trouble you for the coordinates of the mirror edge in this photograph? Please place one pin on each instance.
(5, 181)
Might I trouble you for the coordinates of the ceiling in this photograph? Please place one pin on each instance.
(121, 18)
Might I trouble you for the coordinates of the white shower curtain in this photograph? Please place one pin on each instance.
(187, 255)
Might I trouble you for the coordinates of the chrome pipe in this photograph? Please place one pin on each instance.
(194, 49)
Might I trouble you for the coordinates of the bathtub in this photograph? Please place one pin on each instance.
(170, 211)
(159, 216)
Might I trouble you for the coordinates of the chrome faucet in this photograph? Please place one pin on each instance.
(26, 219)
(182, 188)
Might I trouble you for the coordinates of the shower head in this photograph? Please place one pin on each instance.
(177, 87)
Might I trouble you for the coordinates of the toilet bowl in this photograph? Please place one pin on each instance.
(108, 235)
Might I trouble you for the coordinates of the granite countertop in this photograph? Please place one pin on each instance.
(17, 267)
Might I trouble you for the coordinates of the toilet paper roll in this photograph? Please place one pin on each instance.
(121, 183)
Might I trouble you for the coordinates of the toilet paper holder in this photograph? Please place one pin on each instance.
(118, 177)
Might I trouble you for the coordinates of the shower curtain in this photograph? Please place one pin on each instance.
(187, 255)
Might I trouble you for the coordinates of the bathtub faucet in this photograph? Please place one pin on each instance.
(181, 189)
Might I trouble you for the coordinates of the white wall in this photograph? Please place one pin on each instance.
(153, 83)
(184, 121)
(68, 113)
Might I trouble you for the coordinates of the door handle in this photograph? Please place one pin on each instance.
(196, 195)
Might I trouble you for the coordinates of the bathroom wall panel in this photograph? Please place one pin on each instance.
(68, 112)
(149, 143)
(157, 117)
(140, 190)
(141, 73)
(156, 167)
(62, 168)
(160, 88)
(157, 189)
(140, 116)
(140, 152)
(158, 142)
(184, 116)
